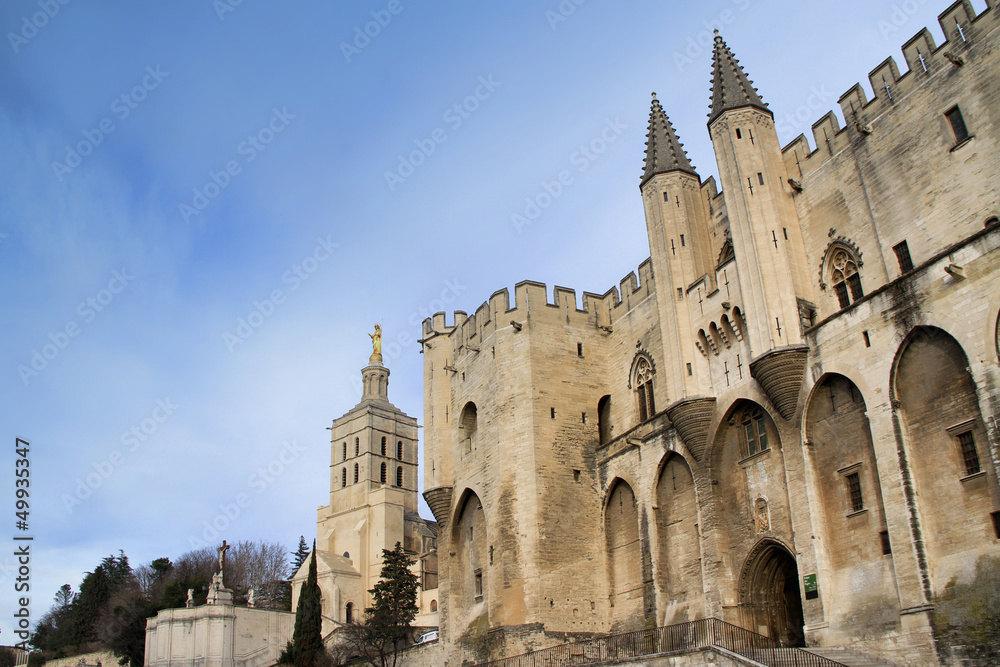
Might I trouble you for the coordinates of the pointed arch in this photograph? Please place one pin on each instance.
(624, 549)
(678, 548)
(770, 598)
(641, 380)
(944, 447)
(469, 581)
(841, 269)
(850, 514)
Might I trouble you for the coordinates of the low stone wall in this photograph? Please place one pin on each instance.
(96, 659)
(217, 636)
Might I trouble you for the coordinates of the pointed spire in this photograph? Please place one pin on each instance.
(731, 89)
(663, 150)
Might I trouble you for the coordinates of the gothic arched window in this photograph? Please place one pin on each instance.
(345, 451)
(642, 381)
(382, 475)
(383, 445)
(356, 471)
(357, 446)
(844, 276)
(343, 477)
(399, 450)
(754, 430)
(399, 476)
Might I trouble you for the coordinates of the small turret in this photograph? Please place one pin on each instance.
(664, 152)
(731, 89)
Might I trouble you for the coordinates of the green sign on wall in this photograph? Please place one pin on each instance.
(812, 589)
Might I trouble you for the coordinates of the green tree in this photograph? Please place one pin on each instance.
(299, 556)
(386, 628)
(307, 638)
(7, 658)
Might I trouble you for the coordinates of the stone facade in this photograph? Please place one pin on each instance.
(216, 636)
(786, 420)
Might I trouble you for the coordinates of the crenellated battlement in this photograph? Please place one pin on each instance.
(925, 60)
(531, 301)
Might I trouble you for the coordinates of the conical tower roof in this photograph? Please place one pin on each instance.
(731, 89)
(663, 150)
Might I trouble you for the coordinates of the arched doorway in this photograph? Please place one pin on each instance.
(771, 603)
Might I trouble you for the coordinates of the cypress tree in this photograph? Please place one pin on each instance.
(307, 638)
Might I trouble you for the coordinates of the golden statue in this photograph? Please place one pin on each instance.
(376, 344)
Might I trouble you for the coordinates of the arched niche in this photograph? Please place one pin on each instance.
(621, 529)
(857, 544)
(678, 548)
(946, 449)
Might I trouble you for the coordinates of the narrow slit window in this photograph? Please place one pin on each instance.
(343, 477)
(739, 135)
(399, 450)
(579, 349)
(399, 477)
(382, 474)
(682, 241)
(760, 177)
(666, 196)
(357, 473)
(954, 116)
(886, 545)
(383, 445)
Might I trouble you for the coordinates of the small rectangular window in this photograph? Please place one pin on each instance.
(970, 458)
(666, 196)
(954, 116)
(854, 489)
(690, 370)
(868, 340)
(552, 412)
(760, 177)
(886, 545)
(996, 523)
(902, 251)
(478, 583)
(680, 293)
(739, 135)
(579, 349)
(682, 241)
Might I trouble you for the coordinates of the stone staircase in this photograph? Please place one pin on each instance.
(850, 657)
(790, 657)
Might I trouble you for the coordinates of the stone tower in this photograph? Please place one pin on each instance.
(372, 504)
(766, 235)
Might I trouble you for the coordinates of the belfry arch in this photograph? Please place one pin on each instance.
(770, 601)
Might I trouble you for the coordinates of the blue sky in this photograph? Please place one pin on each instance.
(206, 206)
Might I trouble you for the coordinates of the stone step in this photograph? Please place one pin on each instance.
(850, 657)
